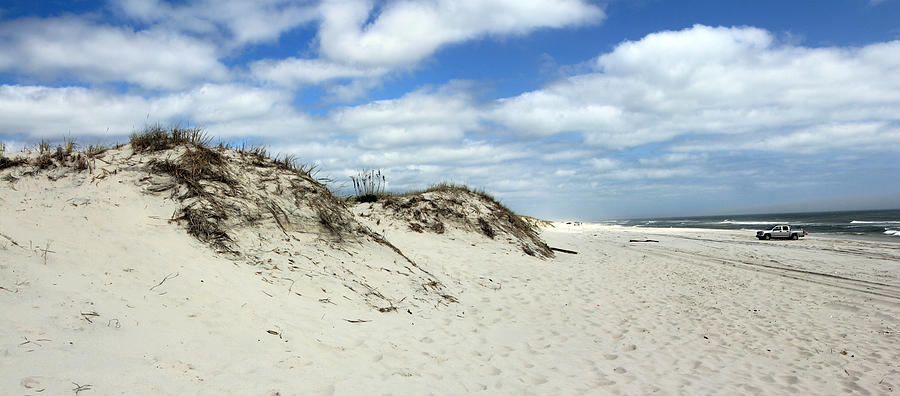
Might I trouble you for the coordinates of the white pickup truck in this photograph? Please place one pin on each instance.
(782, 231)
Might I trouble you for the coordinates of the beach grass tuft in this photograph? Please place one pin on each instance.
(156, 137)
(11, 162)
(449, 205)
(368, 184)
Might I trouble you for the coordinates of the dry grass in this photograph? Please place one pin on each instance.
(215, 194)
(44, 146)
(44, 161)
(197, 164)
(156, 138)
(196, 169)
(65, 155)
(11, 162)
(368, 184)
(257, 153)
(222, 198)
(451, 207)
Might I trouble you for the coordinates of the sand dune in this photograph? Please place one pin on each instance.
(102, 292)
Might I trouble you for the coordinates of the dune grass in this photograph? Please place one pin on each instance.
(414, 205)
(369, 185)
(156, 137)
(10, 162)
(205, 173)
(68, 154)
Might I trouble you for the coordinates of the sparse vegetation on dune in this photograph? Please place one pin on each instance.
(266, 210)
(68, 154)
(156, 138)
(10, 162)
(224, 187)
(535, 222)
(368, 184)
(433, 208)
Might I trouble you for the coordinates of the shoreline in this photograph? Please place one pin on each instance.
(749, 232)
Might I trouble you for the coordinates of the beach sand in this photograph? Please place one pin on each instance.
(102, 295)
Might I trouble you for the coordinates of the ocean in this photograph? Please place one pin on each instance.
(875, 224)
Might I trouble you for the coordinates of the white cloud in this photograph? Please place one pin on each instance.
(292, 72)
(405, 32)
(603, 164)
(75, 48)
(224, 110)
(851, 136)
(671, 158)
(652, 173)
(716, 81)
(244, 21)
(420, 117)
(43, 112)
(361, 42)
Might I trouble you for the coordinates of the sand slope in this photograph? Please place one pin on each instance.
(99, 288)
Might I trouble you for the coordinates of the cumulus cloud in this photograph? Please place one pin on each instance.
(850, 136)
(293, 72)
(71, 47)
(224, 110)
(710, 80)
(37, 111)
(243, 21)
(405, 32)
(418, 118)
(359, 41)
(603, 164)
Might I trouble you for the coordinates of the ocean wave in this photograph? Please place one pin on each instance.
(753, 222)
(875, 222)
(892, 232)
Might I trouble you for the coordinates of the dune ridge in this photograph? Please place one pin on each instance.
(109, 285)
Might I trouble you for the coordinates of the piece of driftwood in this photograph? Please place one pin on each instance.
(642, 240)
(563, 250)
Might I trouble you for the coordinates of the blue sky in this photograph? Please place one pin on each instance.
(566, 109)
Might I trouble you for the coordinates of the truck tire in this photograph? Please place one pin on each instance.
(768, 236)
(794, 237)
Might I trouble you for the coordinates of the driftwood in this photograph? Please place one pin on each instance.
(642, 240)
(563, 250)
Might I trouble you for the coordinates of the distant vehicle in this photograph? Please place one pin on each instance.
(782, 231)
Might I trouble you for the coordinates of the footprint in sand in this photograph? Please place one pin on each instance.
(789, 379)
(489, 370)
(33, 383)
(620, 370)
(538, 380)
(610, 356)
(631, 347)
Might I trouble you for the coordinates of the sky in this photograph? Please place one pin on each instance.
(563, 109)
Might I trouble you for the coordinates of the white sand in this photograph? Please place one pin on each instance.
(699, 312)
